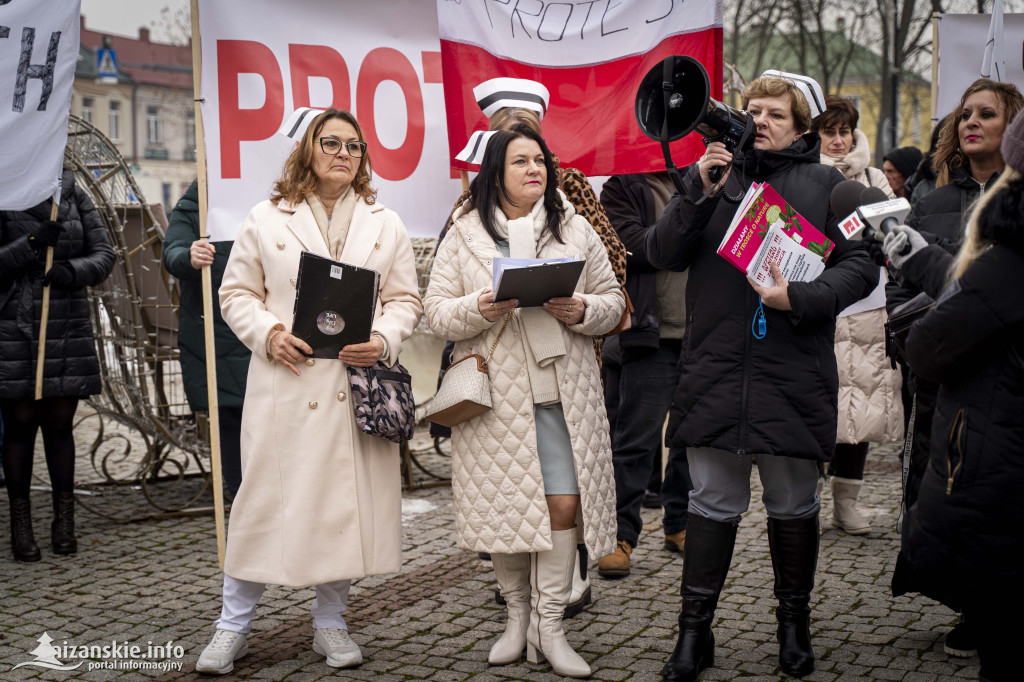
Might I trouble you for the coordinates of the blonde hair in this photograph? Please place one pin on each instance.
(298, 178)
(772, 86)
(948, 155)
(974, 243)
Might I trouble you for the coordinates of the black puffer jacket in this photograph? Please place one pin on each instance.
(965, 537)
(232, 355)
(71, 368)
(777, 395)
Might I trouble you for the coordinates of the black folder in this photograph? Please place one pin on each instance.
(535, 284)
(334, 304)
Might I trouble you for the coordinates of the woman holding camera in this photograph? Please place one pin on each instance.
(746, 391)
(525, 471)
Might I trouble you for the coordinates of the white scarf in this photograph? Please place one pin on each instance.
(542, 337)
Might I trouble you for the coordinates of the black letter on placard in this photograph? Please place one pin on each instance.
(44, 72)
(608, 7)
(564, 25)
(671, 6)
(590, 6)
(517, 12)
(4, 32)
(488, 9)
(2, 3)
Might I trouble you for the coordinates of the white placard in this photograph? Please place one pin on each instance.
(262, 59)
(961, 49)
(38, 52)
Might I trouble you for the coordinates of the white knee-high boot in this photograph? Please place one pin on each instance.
(551, 574)
(513, 574)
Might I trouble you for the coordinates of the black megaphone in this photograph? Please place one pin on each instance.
(674, 99)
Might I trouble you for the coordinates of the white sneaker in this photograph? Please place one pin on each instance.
(337, 646)
(220, 654)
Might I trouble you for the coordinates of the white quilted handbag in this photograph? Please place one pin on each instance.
(465, 390)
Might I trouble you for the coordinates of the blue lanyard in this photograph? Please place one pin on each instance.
(759, 327)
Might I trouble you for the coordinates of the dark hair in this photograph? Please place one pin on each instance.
(838, 110)
(488, 187)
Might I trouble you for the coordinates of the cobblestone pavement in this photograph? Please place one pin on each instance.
(157, 581)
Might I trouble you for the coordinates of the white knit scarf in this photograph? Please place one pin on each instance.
(542, 337)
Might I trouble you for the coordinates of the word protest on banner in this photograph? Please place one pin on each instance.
(262, 59)
(38, 52)
(590, 56)
(961, 51)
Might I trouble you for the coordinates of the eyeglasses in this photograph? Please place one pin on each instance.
(332, 145)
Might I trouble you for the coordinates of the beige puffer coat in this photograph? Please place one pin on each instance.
(496, 475)
(870, 406)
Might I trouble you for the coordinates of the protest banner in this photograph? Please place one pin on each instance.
(38, 52)
(591, 56)
(262, 59)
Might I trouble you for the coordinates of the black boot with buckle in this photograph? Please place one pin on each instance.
(794, 550)
(706, 558)
(23, 540)
(62, 530)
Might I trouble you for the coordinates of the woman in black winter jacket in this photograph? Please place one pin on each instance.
(969, 159)
(965, 539)
(739, 396)
(82, 257)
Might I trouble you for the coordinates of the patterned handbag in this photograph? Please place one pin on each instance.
(465, 390)
(382, 400)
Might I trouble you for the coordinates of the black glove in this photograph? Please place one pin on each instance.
(47, 234)
(60, 274)
(874, 247)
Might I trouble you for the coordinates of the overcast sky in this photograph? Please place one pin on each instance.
(124, 17)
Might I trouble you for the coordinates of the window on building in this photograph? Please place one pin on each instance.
(87, 108)
(915, 121)
(190, 138)
(154, 126)
(115, 121)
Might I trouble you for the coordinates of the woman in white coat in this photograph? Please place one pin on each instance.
(870, 406)
(320, 501)
(529, 471)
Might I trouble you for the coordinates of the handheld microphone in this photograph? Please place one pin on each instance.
(866, 207)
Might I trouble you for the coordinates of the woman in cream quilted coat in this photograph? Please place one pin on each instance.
(536, 470)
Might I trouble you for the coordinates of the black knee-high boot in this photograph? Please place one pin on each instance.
(706, 558)
(794, 549)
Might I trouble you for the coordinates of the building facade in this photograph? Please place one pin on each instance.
(147, 110)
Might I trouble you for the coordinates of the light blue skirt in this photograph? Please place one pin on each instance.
(555, 451)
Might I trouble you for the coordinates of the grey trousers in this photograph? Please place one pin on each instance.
(721, 485)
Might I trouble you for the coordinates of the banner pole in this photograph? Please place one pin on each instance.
(465, 180)
(211, 353)
(44, 314)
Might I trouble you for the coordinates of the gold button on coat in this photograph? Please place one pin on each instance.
(341, 397)
(377, 245)
(280, 245)
(310, 362)
(292, 281)
(312, 404)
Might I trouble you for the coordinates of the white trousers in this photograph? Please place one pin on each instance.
(241, 597)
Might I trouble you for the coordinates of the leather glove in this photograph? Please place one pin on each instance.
(901, 244)
(60, 274)
(47, 234)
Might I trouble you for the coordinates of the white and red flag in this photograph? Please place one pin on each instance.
(590, 56)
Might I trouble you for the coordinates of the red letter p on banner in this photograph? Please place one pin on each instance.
(236, 124)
